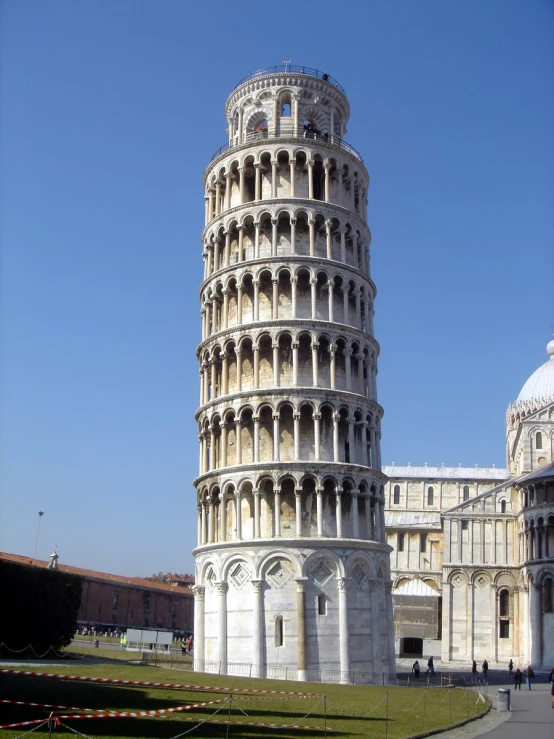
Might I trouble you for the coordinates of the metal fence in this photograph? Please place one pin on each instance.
(294, 69)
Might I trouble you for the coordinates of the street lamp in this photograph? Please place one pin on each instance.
(40, 515)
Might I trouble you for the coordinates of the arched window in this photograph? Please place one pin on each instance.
(504, 603)
(430, 495)
(286, 105)
(396, 495)
(466, 492)
(502, 506)
(538, 440)
(279, 631)
(548, 595)
(322, 605)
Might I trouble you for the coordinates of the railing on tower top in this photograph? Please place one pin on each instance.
(294, 69)
(255, 136)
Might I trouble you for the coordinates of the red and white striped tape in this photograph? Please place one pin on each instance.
(176, 686)
(48, 705)
(109, 714)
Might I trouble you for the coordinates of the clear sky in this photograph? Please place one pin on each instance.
(110, 112)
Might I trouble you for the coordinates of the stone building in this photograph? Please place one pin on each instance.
(292, 568)
(473, 560)
(118, 602)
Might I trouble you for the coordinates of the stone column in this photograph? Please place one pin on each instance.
(292, 163)
(256, 353)
(240, 229)
(317, 418)
(241, 185)
(258, 184)
(227, 248)
(203, 523)
(358, 310)
(217, 197)
(256, 284)
(238, 354)
(343, 631)
(330, 286)
(446, 647)
(213, 372)
(315, 369)
(311, 227)
(345, 311)
(225, 320)
(275, 300)
(199, 525)
(256, 494)
(211, 522)
(319, 510)
(222, 517)
(295, 363)
(277, 511)
(256, 420)
(221, 590)
(328, 242)
(298, 510)
(224, 373)
(210, 205)
(296, 418)
(257, 240)
(293, 235)
(293, 281)
(494, 622)
(239, 305)
(535, 625)
(216, 255)
(327, 183)
(276, 437)
(275, 348)
(338, 511)
(257, 629)
(238, 515)
(526, 625)
(273, 237)
(332, 366)
(204, 453)
(336, 419)
(313, 286)
(301, 583)
(273, 178)
(199, 624)
(310, 180)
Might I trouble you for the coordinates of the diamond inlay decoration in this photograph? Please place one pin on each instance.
(210, 579)
(278, 574)
(321, 572)
(239, 576)
(358, 575)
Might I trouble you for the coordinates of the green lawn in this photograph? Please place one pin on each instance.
(351, 712)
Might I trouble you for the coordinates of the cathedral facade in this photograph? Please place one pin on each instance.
(292, 567)
(473, 559)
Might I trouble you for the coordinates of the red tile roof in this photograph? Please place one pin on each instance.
(139, 582)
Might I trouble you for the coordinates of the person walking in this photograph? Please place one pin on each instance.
(529, 675)
(485, 667)
(430, 666)
(517, 679)
(510, 666)
(474, 668)
(416, 669)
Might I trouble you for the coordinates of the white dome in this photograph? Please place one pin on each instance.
(541, 383)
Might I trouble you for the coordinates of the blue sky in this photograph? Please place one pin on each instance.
(110, 113)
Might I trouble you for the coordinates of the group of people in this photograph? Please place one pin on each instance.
(186, 644)
(416, 668)
(311, 132)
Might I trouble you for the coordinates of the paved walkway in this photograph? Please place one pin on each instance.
(531, 716)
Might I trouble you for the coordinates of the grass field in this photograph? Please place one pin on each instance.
(351, 712)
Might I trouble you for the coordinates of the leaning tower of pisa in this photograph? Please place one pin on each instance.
(292, 569)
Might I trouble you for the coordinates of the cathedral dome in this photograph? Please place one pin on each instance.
(541, 383)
